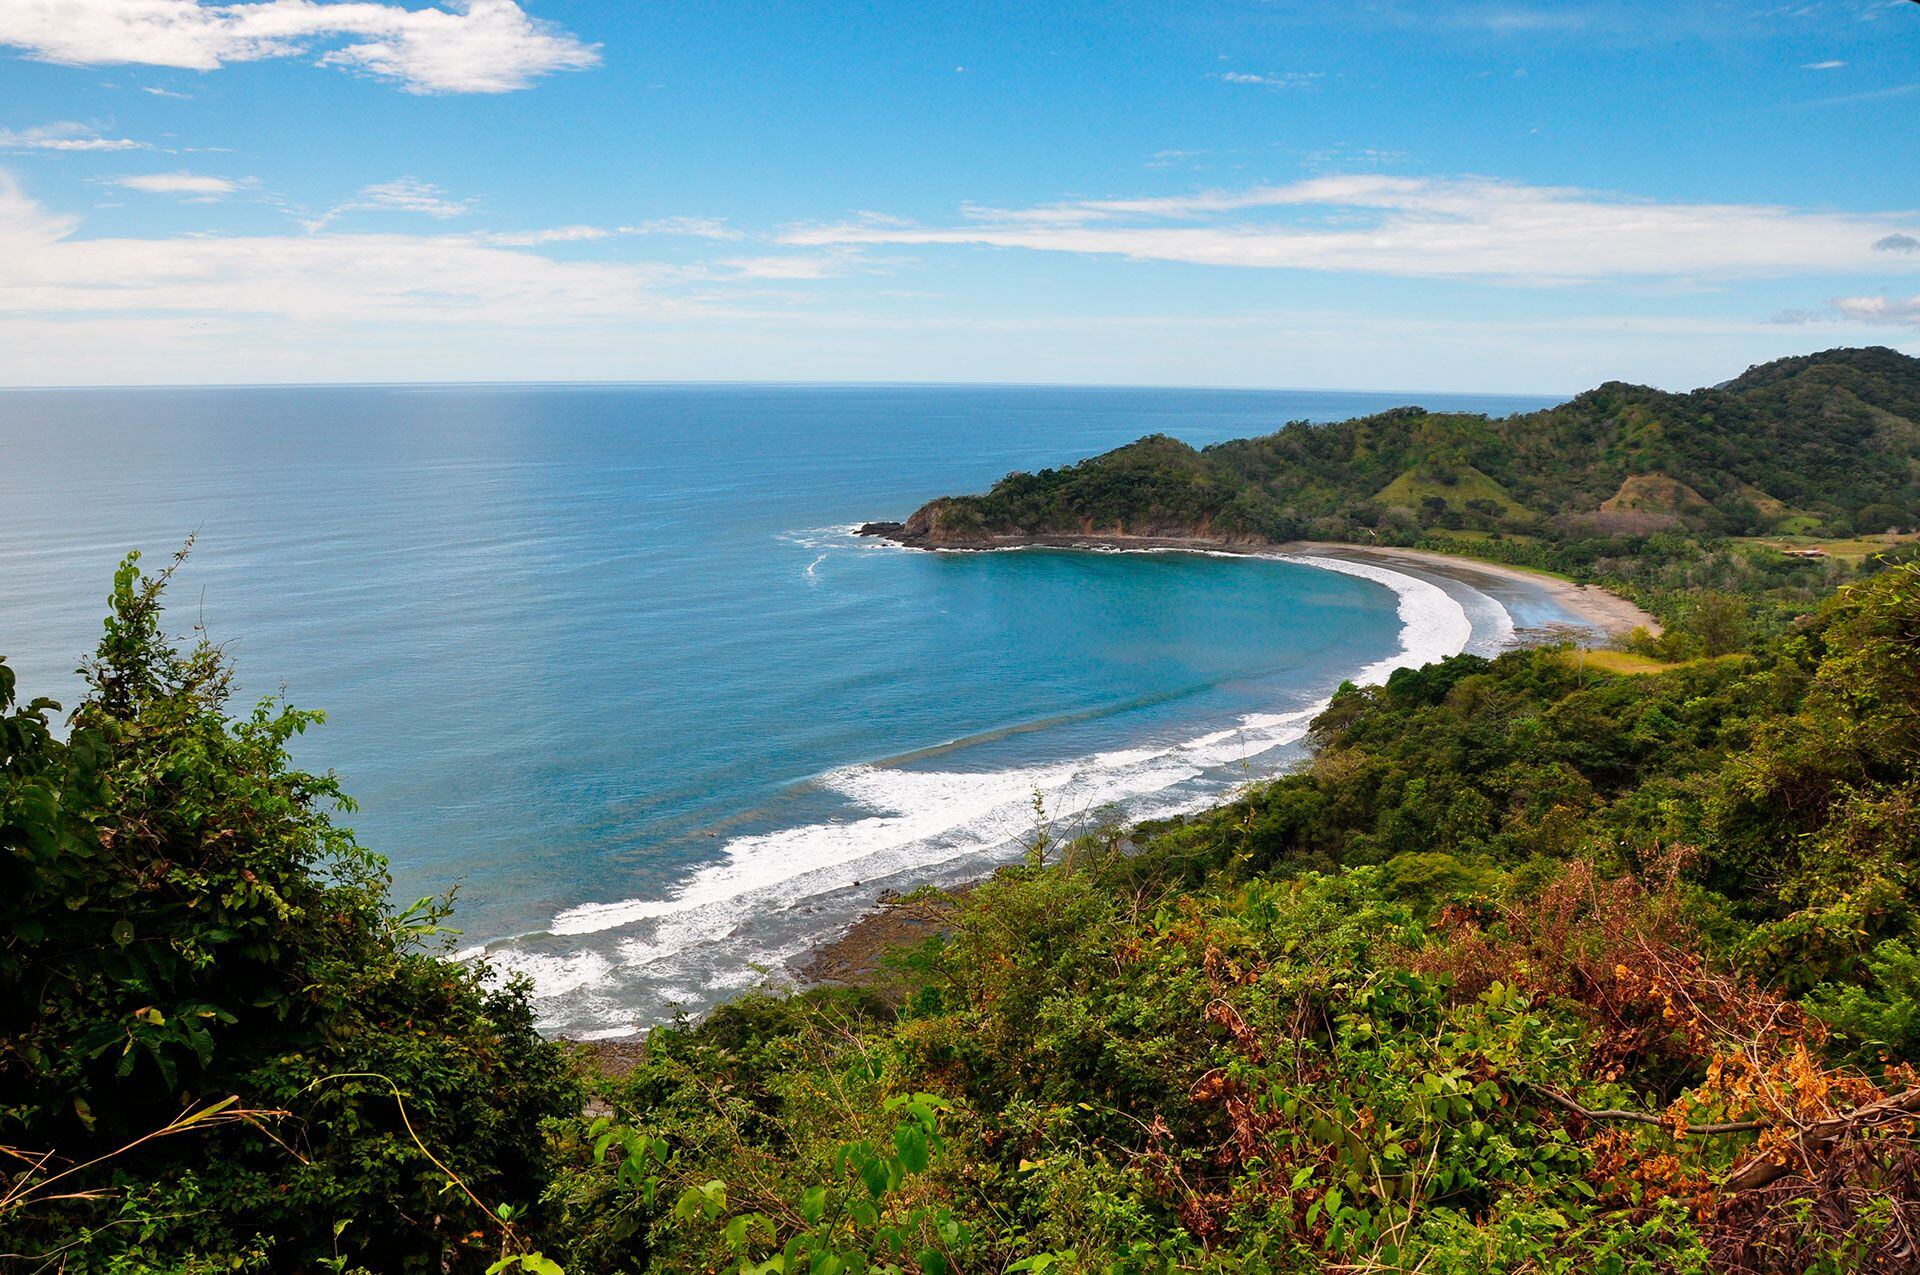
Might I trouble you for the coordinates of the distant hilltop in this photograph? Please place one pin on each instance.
(1819, 446)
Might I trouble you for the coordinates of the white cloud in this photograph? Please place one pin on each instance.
(534, 238)
(1904, 311)
(353, 282)
(791, 267)
(160, 92)
(403, 194)
(410, 194)
(688, 227)
(471, 46)
(1286, 80)
(1873, 95)
(191, 185)
(65, 136)
(46, 270)
(1423, 227)
(1831, 64)
(691, 227)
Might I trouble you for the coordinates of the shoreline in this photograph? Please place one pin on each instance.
(1603, 611)
(854, 957)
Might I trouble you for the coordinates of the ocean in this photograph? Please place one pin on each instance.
(608, 660)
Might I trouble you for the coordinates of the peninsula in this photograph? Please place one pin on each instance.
(1762, 481)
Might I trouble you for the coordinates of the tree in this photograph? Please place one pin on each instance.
(182, 922)
(1720, 621)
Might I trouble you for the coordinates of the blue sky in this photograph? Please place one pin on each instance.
(1378, 194)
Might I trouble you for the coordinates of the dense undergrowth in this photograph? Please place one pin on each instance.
(1538, 967)
(219, 1049)
(1534, 969)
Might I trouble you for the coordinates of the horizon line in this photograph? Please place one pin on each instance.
(664, 383)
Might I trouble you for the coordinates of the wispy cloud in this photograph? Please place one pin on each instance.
(1871, 95)
(410, 194)
(1470, 228)
(470, 46)
(403, 194)
(1831, 64)
(197, 186)
(157, 91)
(356, 280)
(792, 267)
(65, 136)
(549, 235)
(1284, 80)
(1896, 310)
(688, 227)
(45, 269)
(691, 227)
(1511, 19)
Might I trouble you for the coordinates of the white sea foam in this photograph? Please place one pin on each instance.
(913, 821)
(1432, 625)
(554, 975)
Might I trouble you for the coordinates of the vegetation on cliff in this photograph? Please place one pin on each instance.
(217, 1043)
(1555, 962)
(1537, 968)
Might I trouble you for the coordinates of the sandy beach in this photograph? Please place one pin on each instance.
(1606, 613)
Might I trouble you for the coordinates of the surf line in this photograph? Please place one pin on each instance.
(925, 806)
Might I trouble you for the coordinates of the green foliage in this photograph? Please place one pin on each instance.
(183, 922)
(1883, 1011)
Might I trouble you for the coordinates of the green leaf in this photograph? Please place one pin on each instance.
(911, 1142)
(813, 1204)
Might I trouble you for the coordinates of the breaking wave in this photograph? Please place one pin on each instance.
(602, 968)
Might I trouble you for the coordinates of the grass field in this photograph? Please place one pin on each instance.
(1625, 662)
(1850, 550)
(1410, 488)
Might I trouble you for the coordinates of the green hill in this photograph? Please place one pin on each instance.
(1831, 440)
(1443, 489)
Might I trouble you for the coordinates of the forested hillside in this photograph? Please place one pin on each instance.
(1827, 445)
(1565, 961)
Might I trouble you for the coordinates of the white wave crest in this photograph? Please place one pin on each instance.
(912, 821)
(953, 812)
(1432, 624)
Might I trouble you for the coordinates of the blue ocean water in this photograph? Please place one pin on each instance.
(608, 659)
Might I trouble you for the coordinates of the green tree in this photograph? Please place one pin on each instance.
(182, 922)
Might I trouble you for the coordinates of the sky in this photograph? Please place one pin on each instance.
(1377, 194)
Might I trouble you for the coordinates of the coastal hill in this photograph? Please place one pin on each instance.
(1825, 445)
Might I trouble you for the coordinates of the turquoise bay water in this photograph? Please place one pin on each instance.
(607, 659)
